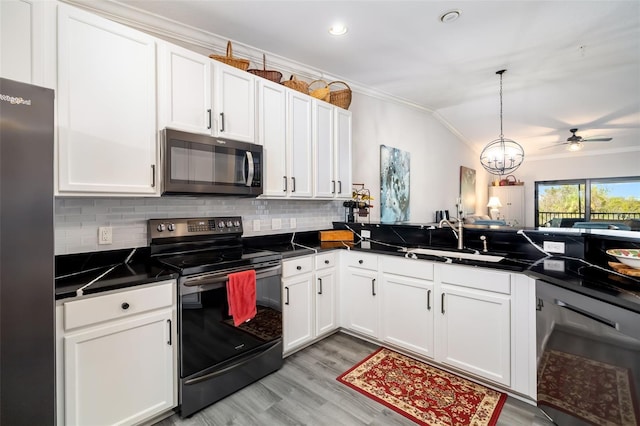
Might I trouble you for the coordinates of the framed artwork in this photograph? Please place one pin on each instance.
(468, 190)
(394, 184)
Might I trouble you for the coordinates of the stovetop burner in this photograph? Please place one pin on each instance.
(200, 245)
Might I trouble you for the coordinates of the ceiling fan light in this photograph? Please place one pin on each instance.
(574, 146)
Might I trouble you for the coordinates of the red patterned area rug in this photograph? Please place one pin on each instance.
(422, 393)
(599, 393)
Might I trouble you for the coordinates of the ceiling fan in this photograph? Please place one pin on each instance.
(574, 142)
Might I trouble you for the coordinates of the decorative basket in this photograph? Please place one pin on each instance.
(274, 76)
(341, 97)
(298, 85)
(321, 93)
(242, 64)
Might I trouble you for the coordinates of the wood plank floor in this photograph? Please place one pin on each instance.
(305, 392)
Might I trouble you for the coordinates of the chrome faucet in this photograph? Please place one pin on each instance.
(458, 234)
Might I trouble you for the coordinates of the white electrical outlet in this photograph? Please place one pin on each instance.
(256, 224)
(292, 223)
(365, 233)
(105, 235)
(276, 224)
(553, 247)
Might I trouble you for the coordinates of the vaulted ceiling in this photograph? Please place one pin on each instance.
(569, 63)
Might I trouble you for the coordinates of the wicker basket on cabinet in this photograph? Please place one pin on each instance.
(242, 64)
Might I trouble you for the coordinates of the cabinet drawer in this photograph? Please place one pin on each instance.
(407, 267)
(117, 305)
(325, 260)
(481, 279)
(362, 260)
(299, 265)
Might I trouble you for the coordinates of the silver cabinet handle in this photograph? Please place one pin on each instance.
(293, 184)
(153, 175)
(442, 303)
(339, 187)
(287, 290)
(333, 186)
(169, 324)
(285, 183)
(373, 287)
(209, 114)
(428, 300)
(222, 121)
(320, 285)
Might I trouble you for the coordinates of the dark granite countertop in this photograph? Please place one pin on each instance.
(96, 272)
(592, 277)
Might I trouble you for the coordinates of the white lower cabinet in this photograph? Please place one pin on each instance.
(360, 287)
(474, 320)
(474, 323)
(309, 299)
(408, 304)
(117, 356)
(297, 302)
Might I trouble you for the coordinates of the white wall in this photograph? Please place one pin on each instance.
(436, 156)
(572, 166)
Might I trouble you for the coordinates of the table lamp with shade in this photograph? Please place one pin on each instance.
(494, 205)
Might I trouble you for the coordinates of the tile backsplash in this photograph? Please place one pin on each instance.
(77, 219)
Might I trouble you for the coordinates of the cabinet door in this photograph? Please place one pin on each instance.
(297, 311)
(299, 139)
(184, 90)
(325, 296)
(342, 159)
(272, 135)
(21, 40)
(234, 96)
(512, 200)
(475, 332)
(407, 310)
(121, 372)
(361, 293)
(324, 183)
(106, 106)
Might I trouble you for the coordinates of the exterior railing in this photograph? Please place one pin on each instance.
(564, 219)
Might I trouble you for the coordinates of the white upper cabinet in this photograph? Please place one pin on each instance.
(332, 149)
(106, 107)
(272, 135)
(23, 37)
(323, 132)
(342, 153)
(184, 89)
(234, 103)
(299, 140)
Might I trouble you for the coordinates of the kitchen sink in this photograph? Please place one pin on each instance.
(456, 254)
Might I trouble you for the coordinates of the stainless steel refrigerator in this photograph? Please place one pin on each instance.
(27, 326)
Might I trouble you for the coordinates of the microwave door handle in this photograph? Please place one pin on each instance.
(249, 158)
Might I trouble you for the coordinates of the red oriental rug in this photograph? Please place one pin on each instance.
(422, 393)
(599, 393)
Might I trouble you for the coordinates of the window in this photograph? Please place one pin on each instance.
(607, 202)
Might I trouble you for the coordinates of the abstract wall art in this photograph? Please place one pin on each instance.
(394, 185)
(468, 189)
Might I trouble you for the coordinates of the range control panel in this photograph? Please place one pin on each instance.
(171, 228)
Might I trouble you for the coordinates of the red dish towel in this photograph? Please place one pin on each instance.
(241, 295)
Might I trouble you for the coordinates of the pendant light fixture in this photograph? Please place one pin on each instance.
(501, 156)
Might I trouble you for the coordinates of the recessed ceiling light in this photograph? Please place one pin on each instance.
(450, 16)
(338, 29)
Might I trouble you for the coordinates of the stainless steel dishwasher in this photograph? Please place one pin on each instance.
(588, 359)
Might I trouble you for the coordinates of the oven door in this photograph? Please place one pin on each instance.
(203, 164)
(588, 359)
(208, 337)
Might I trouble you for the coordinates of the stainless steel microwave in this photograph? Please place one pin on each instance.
(201, 164)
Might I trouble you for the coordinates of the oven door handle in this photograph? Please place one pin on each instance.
(231, 367)
(222, 278)
(589, 315)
